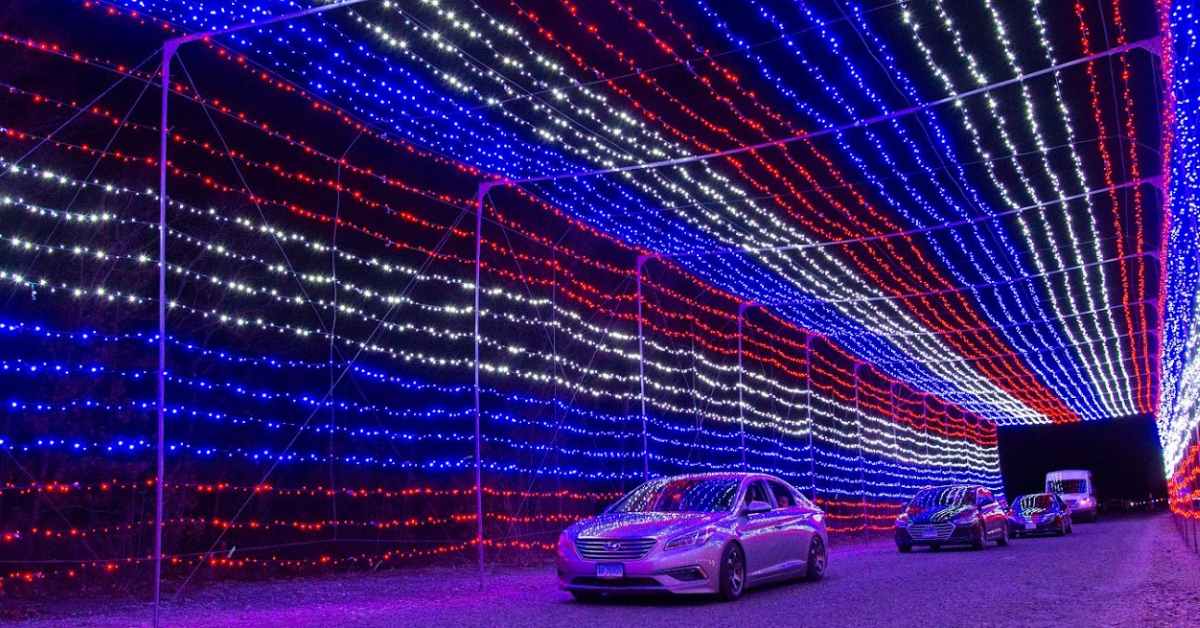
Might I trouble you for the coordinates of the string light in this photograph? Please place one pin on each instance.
(223, 216)
(948, 367)
(1178, 412)
(907, 365)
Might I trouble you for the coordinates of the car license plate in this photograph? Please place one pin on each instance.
(1030, 526)
(610, 570)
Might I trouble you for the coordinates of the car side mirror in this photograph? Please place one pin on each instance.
(756, 507)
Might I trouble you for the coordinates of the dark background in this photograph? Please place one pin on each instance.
(1123, 456)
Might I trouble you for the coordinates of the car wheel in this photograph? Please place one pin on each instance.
(1070, 526)
(586, 597)
(1003, 540)
(1062, 529)
(904, 547)
(733, 572)
(980, 540)
(818, 560)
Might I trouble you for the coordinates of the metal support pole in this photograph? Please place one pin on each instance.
(480, 197)
(170, 47)
(808, 397)
(641, 262)
(741, 317)
(1195, 503)
(168, 52)
(925, 424)
(895, 419)
(862, 461)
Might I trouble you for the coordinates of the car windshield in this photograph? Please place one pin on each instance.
(943, 496)
(1034, 502)
(1067, 486)
(681, 495)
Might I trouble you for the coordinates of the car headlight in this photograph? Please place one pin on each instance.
(691, 539)
(564, 542)
(902, 520)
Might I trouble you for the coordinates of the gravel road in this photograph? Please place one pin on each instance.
(1120, 572)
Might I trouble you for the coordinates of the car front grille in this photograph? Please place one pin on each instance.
(613, 549)
(930, 531)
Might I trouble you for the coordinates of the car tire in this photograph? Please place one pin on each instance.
(818, 560)
(733, 573)
(1003, 540)
(980, 540)
(586, 597)
(904, 547)
(1062, 529)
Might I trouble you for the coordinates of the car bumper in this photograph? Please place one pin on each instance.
(694, 571)
(1084, 512)
(1041, 527)
(956, 535)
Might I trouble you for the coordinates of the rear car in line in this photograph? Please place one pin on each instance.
(952, 515)
(1039, 513)
(715, 533)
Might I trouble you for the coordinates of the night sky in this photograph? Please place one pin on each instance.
(1123, 456)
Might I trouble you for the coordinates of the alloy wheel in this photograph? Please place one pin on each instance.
(818, 559)
(735, 571)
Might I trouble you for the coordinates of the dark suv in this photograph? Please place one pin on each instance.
(952, 515)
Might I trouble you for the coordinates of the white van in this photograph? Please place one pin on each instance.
(1076, 489)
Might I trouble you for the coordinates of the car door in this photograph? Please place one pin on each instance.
(1062, 507)
(990, 511)
(793, 527)
(756, 531)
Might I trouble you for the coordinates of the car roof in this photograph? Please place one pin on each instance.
(1069, 473)
(731, 475)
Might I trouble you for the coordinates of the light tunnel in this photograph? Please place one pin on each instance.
(439, 278)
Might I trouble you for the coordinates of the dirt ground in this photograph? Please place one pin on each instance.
(1122, 572)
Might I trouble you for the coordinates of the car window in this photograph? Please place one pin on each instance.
(756, 492)
(688, 494)
(1038, 501)
(784, 498)
(1067, 486)
(940, 497)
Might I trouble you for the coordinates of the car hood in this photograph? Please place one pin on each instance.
(657, 525)
(1030, 513)
(940, 514)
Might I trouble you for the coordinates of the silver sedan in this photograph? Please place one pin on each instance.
(716, 533)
